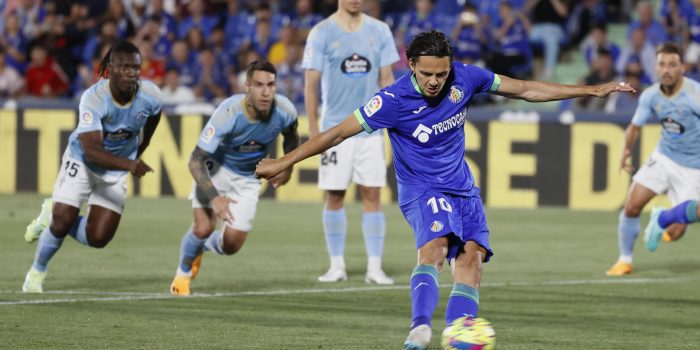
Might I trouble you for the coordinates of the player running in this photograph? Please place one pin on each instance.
(241, 131)
(101, 150)
(674, 167)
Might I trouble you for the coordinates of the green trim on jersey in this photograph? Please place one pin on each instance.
(496, 83)
(415, 84)
(362, 121)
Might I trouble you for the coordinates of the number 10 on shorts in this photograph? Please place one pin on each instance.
(442, 202)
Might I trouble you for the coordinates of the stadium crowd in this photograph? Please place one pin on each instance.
(197, 50)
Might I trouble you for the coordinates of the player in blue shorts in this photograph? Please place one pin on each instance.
(424, 113)
(674, 167)
(104, 147)
(242, 130)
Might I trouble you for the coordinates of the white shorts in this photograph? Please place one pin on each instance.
(661, 174)
(77, 184)
(692, 54)
(242, 189)
(360, 159)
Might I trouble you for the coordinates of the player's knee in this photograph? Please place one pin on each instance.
(233, 240)
(60, 226)
(632, 210)
(203, 230)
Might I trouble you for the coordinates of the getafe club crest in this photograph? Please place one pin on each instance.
(456, 94)
(436, 226)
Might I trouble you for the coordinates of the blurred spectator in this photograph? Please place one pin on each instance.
(174, 92)
(278, 50)
(136, 11)
(422, 19)
(276, 21)
(95, 44)
(11, 82)
(237, 27)
(512, 53)
(654, 31)
(15, 43)
(56, 41)
(151, 32)
(638, 51)
(152, 68)
(117, 13)
(210, 79)
(304, 18)
(31, 15)
(290, 77)
(598, 39)
(601, 72)
(197, 18)
(625, 104)
(45, 78)
(195, 43)
(584, 17)
(262, 39)
(78, 25)
(548, 17)
(180, 60)
(467, 36)
(168, 24)
(692, 54)
(675, 17)
(217, 44)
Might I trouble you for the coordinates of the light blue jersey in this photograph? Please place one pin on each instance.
(349, 63)
(239, 142)
(120, 125)
(679, 116)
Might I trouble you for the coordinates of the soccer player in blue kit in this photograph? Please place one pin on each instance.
(241, 131)
(424, 113)
(104, 147)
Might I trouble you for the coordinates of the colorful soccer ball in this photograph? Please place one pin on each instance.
(467, 333)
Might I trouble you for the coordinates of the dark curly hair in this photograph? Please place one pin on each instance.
(432, 43)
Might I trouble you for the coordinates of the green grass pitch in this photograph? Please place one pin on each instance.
(544, 289)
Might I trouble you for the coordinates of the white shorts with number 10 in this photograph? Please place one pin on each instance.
(357, 159)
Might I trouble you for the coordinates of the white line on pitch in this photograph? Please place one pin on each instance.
(128, 296)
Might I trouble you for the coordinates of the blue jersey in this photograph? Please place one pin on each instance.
(349, 63)
(120, 125)
(237, 141)
(680, 118)
(427, 134)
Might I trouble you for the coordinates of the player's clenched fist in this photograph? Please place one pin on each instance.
(268, 168)
(139, 168)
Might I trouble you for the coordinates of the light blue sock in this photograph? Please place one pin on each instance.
(374, 229)
(463, 301)
(335, 227)
(213, 243)
(78, 231)
(48, 246)
(190, 247)
(424, 294)
(627, 235)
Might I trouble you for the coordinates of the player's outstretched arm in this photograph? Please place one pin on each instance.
(148, 130)
(94, 153)
(290, 143)
(200, 172)
(542, 91)
(269, 168)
